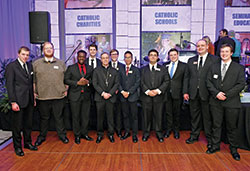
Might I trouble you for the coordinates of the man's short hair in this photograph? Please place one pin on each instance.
(114, 50)
(128, 52)
(24, 48)
(47, 43)
(172, 50)
(153, 50)
(104, 53)
(224, 31)
(93, 45)
(227, 45)
(82, 51)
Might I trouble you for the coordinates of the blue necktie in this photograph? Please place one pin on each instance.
(172, 70)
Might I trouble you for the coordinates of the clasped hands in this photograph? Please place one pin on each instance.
(153, 93)
(82, 82)
(221, 96)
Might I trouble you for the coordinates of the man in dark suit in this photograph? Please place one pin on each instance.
(105, 82)
(154, 82)
(129, 85)
(93, 61)
(114, 54)
(19, 84)
(224, 39)
(178, 75)
(78, 76)
(225, 81)
(197, 92)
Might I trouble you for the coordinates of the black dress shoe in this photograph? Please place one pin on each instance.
(191, 140)
(19, 152)
(212, 150)
(209, 145)
(99, 139)
(145, 138)
(176, 135)
(77, 140)
(126, 135)
(236, 156)
(30, 147)
(135, 139)
(86, 137)
(65, 140)
(111, 138)
(119, 134)
(167, 134)
(39, 141)
(160, 139)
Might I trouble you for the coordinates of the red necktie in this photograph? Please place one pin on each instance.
(127, 70)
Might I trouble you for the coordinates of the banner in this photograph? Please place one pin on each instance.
(162, 18)
(237, 19)
(85, 21)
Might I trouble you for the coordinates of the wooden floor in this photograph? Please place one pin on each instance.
(122, 155)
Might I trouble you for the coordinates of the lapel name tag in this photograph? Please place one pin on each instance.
(215, 76)
(130, 72)
(117, 69)
(157, 69)
(56, 67)
(195, 62)
(31, 73)
(110, 75)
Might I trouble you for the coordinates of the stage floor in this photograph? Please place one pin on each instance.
(122, 155)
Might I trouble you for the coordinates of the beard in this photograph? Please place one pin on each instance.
(49, 55)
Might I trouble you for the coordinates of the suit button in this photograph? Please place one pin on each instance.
(221, 85)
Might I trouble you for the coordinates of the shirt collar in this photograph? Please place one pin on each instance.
(48, 59)
(21, 62)
(228, 62)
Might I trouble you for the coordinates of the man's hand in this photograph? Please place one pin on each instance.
(106, 96)
(15, 107)
(125, 94)
(65, 93)
(221, 96)
(152, 93)
(186, 96)
(82, 81)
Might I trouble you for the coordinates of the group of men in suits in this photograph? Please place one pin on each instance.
(210, 84)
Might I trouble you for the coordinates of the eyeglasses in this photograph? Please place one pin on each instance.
(114, 54)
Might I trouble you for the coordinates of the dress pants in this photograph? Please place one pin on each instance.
(130, 115)
(150, 110)
(22, 120)
(55, 106)
(173, 109)
(80, 110)
(102, 108)
(199, 110)
(231, 118)
(118, 116)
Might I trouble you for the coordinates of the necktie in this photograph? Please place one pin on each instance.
(172, 70)
(153, 68)
(223, 71)
(92, 63)
(200, 64)
(114, 65)
(24, 67)
(82, 71)
(127, 70)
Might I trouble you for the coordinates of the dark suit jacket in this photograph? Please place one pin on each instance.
(148, 82)
(225, 40)
(99, 63)
(232, 85)
(100, 75)
(178, 82)
(199, 79)
(130, 83)
(71, 76)
(19, 84)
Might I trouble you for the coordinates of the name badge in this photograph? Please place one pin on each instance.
(157, 69)
(56, 67)
(195, 63)
(215, 76)
(31, 73)
(117, 69)
(130, 72)
(110, 75)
